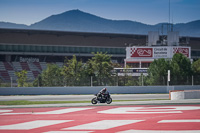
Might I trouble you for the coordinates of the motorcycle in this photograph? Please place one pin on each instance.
(102, 99)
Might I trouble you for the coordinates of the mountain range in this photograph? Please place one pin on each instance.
(79, 21)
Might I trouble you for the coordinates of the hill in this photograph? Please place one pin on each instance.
(76, 20)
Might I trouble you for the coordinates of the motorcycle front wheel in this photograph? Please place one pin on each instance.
(94, 101)
(109, 101)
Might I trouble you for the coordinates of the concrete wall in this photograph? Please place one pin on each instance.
(192, 94)
(91, 90)
(187, 94)
(187, 87)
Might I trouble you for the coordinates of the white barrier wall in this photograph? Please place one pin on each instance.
(177, 95)
(187, 94)
(91, 90)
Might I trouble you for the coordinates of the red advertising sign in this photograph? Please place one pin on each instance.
(184, 51)
(141, 52)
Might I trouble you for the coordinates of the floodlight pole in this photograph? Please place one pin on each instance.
(168, 77)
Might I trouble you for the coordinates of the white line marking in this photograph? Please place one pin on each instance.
(17, 113)
(135, 110)
(102, 125)
(32, 124)
(69, 132)
(149, 110)
(171, 121)
(63, 111)
(160, 131)
(175, 108)
(2, 111)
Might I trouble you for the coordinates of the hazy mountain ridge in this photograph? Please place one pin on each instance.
(76, 20)
(12, 25)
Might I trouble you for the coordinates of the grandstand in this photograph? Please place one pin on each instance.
(31, 50)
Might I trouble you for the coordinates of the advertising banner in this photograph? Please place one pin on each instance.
(185, 51)
(141, 52)
(161, 52)
(156, 52)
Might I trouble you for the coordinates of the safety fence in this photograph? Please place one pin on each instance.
(111, 81)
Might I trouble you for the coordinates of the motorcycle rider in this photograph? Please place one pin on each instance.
(102, 93)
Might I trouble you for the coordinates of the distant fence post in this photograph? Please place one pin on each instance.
(11, 82)
(91, 82)
(192, 80)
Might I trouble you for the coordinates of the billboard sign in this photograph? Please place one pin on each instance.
(184, 51)
(130, 72)
(156, 52)
(160, 52)
(141, 52)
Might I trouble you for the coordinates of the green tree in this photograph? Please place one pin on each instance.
(89, 73)
(132, 81)
(196, 67)
(157, 72)
(100, 65)
(21, 78)
(72, 71)
(181, 69)
(196, 72)
(89, 68)
(51, 76)
(38, 81)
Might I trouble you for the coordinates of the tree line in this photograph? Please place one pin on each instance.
(98, 70)
(181, 71)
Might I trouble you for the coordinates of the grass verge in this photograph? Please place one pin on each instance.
(24, 102)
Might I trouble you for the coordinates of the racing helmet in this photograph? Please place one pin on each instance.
(104, 89)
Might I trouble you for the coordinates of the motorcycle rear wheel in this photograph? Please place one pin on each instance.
(109, 101)
(94, 101)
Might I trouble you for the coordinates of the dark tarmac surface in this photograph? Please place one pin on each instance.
(82, 97)
(152, 100)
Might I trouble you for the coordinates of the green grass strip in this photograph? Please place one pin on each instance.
(24, 102)
(139, 100)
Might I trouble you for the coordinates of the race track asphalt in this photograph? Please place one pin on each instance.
(142, 99)
(82, 97)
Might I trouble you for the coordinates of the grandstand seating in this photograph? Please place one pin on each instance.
(8, 69)
(8, 66)
(5, 75)
(25, 66)
(60, 64)
(30, 76)
(17, 66)
(37, 64)
(12, 74)
(43, 65)
(35, 73)
(2, 67)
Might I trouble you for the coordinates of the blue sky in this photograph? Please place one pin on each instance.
(145, 11)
